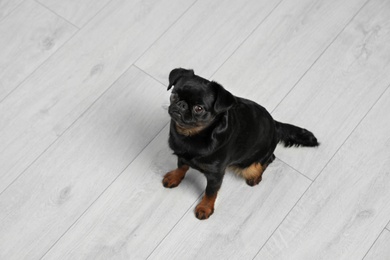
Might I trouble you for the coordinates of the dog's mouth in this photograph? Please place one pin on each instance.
(179, 119)
(175, 115)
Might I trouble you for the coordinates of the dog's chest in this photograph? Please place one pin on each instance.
(193, 156)
(201, 164)
(189, 147)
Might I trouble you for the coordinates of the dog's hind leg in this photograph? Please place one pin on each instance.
(253, 174)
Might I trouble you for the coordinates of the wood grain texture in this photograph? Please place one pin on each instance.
(91, 183)
(340, 88)
(28, 37)
(243, 220)
(205, 36)
(347, 207)
(72, 78)
(39, 207)
(283, 48)
(77, 12)
(136, 211)
(381, 249)
(7, 6)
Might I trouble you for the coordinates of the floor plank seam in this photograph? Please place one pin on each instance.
(121, 171)
(353, 130)
(246, 38)
(61, 134)
(169, 27)
(303, 175)
(146, 73)
(39, 66)
(27, 77)
(101, 9)
(319, 56)
(50, 10)
(88, 233)
(104, 190)
(12, 11)
(17, 177)
(192, 205)
(86, 23)
(173, 227)
(368, 251)
(321, 171)
(283, 219)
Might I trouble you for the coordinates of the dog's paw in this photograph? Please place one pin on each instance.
(172, 179)
(254, 181)
(203, 212)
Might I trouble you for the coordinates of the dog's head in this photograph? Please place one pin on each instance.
(195, 101)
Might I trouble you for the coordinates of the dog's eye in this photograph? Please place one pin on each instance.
(198, 109)
(173, 97)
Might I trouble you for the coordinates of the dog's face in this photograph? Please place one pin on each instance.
(195, 101)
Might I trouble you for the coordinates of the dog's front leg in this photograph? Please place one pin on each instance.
(173, 178)
(206, 207)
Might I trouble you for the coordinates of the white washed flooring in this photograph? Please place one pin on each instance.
(83, 128)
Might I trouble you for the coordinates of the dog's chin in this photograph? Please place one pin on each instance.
(190, 129)
(186, 128)
(183, 125)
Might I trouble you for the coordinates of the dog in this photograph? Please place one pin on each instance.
(211, 130)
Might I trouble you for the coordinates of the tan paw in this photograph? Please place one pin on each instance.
(172, 179)
(254, 181)
(203, 212)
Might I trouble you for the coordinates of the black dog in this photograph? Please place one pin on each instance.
(211, 130)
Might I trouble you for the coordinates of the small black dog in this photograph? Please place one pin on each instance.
(211, 130)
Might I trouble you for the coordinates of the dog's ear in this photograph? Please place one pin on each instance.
(176, 74)
(224, 100)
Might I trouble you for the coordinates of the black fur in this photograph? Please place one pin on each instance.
(229, 131)
(291, 135)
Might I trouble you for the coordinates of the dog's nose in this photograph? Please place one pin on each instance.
(182, 105)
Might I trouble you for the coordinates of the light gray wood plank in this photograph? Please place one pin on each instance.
(41, 205)
(381, 248)
(347, 207)
(244, 218)
(205, 36)
(60, 90)
(137, 212)
(7, 6)
(340, 88)
(28, 37)
(283, 48)
(75, 11)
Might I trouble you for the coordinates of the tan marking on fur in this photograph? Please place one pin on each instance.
(206, 207)
(253, 171)
(252, 174)
(189, 131)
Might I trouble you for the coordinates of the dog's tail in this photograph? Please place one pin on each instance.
(291, 135)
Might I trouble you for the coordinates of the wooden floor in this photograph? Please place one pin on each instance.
(84, 128)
